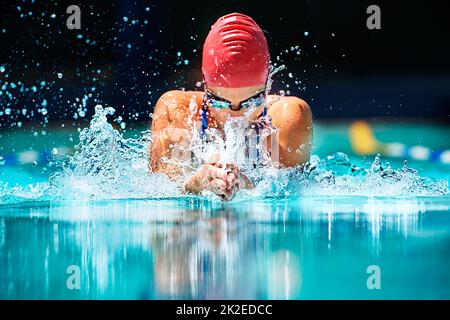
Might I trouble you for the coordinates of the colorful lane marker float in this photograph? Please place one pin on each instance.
(33, 157)
(363, 142)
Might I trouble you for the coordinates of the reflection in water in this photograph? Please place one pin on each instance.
(200, 260)
(192, 248)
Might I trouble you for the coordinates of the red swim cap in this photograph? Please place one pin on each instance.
(235, 53)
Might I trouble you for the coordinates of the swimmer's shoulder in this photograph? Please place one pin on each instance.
(277, 99)
(180, 97)
(290, 102)
(289, 109)
(175, 103)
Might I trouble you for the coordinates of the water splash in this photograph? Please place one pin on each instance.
(238, 142)
(335, 175)
(272, 72)
(108, 166)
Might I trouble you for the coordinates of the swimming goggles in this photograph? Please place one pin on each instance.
(220, 103)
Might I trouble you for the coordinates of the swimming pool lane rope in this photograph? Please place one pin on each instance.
(363, 142)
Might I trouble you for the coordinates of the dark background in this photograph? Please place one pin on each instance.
(343, 70)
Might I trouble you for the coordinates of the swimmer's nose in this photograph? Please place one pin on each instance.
(235, 107)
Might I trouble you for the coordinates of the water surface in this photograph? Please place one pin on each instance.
(293, 248)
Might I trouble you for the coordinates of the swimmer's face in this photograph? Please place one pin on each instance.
(235, 96)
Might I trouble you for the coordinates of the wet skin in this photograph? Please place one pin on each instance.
(292, 116)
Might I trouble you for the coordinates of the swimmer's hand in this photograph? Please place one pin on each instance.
(222, 179)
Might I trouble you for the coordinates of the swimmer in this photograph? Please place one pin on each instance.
(235, 68)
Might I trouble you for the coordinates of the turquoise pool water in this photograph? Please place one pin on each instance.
(307, 246)
(296, 248)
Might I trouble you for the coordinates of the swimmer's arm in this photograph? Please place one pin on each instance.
(163, 136)
(159, 150)
(293, 117)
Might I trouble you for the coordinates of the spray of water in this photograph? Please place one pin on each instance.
(108, 166)
(238, 143)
